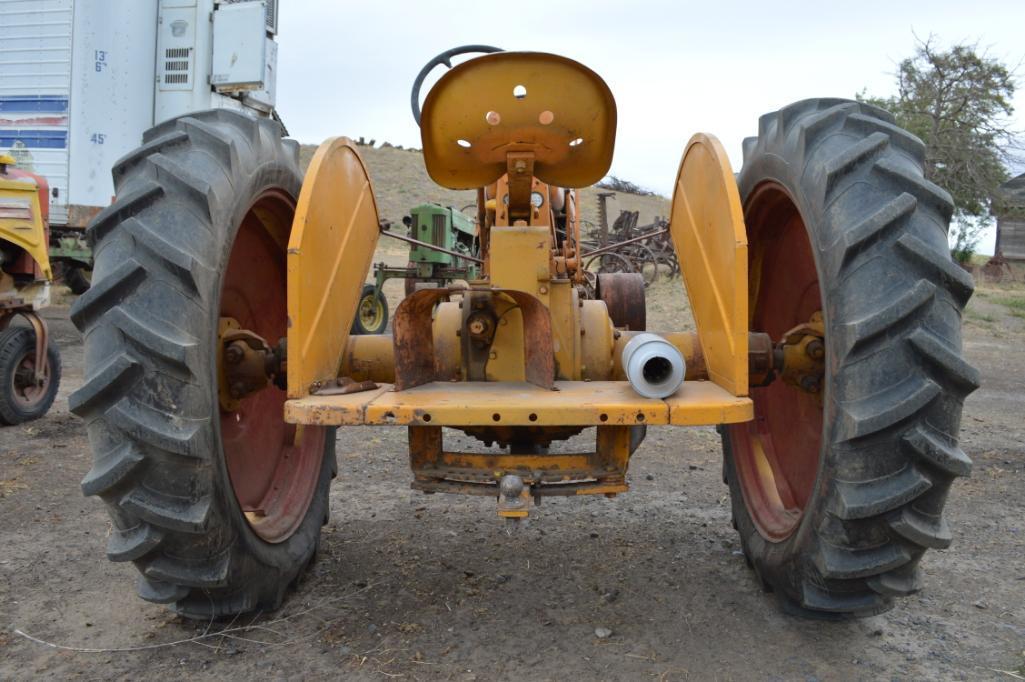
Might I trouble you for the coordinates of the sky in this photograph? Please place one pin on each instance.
(675, 68)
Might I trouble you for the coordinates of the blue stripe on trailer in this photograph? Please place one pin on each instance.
(33, 104)
(34, 139)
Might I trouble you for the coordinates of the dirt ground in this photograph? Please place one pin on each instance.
(432, 587)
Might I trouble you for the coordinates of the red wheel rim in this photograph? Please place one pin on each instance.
(777, 454)
(273, 466)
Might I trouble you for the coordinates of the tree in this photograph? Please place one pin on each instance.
(958, 102)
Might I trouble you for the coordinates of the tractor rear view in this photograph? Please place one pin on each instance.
(219, 361)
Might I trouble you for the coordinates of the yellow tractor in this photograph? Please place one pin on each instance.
(30, 365)
(219, 361)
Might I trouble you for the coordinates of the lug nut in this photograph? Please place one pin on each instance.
(815, 349)
(233, 354)
(810, 384)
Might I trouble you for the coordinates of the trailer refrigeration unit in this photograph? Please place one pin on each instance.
(80, 80)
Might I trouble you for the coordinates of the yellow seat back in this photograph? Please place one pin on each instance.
(548, 105)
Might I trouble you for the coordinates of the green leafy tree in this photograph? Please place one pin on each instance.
(958, 101)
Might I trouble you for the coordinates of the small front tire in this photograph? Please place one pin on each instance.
(22, 399)
(371, 312)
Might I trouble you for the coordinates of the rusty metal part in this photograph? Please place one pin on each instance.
(516, 477)
(762, 360)
(373, 358)
(623, 294)
(79, 216)
(612, 247)
(804, 355)
(477, 332)
(247, 363)
(40, 331)
(345, 386)
(413, 337)
(432, 247)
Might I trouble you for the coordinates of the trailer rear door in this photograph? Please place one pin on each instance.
(35, 85)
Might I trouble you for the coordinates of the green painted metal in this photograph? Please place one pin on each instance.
(442, 226)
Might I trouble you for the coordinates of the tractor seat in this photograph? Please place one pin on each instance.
(550, 106)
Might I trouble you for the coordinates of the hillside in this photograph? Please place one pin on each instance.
(401, 181)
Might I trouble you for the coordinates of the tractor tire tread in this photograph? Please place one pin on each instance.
(890, 446)
(146, 398)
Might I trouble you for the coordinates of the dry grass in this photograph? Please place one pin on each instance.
(401, 182)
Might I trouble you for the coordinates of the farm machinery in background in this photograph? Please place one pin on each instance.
(443, 248)
(100, 73)
(30, 365)
(627, 247)
(827, 350)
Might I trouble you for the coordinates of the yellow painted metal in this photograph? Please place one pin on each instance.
(21, 218)
(707, 227)
(702, 403)
(574, 403)
(597, 341)
(476, 103)
(329, 254)
(369, 357)
(567, 339)
(521, 258)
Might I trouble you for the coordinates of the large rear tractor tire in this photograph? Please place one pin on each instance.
(220, 510)
(837, 494)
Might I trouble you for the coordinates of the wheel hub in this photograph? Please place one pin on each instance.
(273, 467)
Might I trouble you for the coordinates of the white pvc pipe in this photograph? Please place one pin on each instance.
(654, 366)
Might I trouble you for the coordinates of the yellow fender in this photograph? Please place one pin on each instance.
(330, 251)
(21, 217)
(707, 226)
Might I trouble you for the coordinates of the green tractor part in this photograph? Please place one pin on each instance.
(443, 247)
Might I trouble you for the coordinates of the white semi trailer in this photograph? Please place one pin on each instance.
(80, 80)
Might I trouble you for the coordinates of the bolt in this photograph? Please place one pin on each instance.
(815, 349)
(810, 384)
(233, 354)
(492, 355)
(477, 327)
(542, 289)
(616, 334)
(238, 389)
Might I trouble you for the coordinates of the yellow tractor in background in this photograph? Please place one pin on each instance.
(30, 365)
(219, 361)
